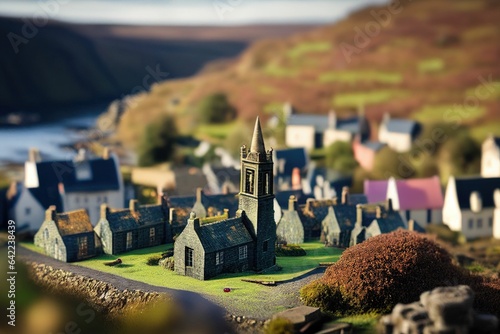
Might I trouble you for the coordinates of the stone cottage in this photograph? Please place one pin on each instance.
(137, 227)
(290, 228)
(67, 236)
(244, 242)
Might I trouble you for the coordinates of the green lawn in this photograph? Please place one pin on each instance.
(309, 47)
(366, 98)
(245, 295)
(449, 113)
(215, 131)
(431, 65)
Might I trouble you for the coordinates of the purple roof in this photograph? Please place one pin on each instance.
(376, 191)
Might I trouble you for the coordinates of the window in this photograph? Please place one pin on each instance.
(490, 222)
(82, 246)
(219, 258)
(479, 223)
(27, 211)
(129, 240)
(249, 180)
(243, 252)
(268, 186)
(265, 245)
(188, 257)
(152, 235)
(471, 224)
(46, 234)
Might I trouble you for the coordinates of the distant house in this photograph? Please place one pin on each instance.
(398, 134)
(83, 182)
(365, 152)
(221, 180)
(490, 160)
(417, 199)
(315, 131)
(470, 205)
(290, 228)
(133, 228)
(67, 236)
(244, 242)
(287, 163)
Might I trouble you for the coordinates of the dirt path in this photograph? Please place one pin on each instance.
(282, 296)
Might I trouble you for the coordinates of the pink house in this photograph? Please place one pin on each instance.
(417, 199)
(365, 152)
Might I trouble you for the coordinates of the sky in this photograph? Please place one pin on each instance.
(185, 12)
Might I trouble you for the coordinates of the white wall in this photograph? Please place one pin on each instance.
(490, 160)
(399, 142)
(330, 136)
(452, 216)
(300, 136)
(475, 231)
(92, 202)
(28, 211)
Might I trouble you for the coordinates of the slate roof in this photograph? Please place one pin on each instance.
(220, 202)
(349, 124)
(373, 145)
(127, 220)
(224, 234)
(283, 196)
(355, 199)
(227, 174)
(390, 223)
(346, 216)
(485, 186)
(319, 122)
(405, 126)
(293, 157)
(318, 209)
(51, 173)
(497, 141)
(73, 222)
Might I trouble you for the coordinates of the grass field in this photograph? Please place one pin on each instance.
(245, 295)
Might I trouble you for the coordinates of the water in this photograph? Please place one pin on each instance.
(49, 138)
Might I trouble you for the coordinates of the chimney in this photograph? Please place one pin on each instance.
(226, 213)
(106, 153)
(378, 212)
(388, 205)
(34, 155)
(225, 188)
(309, 204)
(359, 215)
(172, 215)
(345, 195)
(292, 203)
(332, 119)
(104, 211)
(133, 205)
(50, 213)
(60, 188)
(199, 192)
(296, 179)
(411, 225)
(194, 220)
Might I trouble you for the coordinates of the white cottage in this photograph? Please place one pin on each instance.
(81, 183)
(398, 134)
(490, 160)
(471, 206)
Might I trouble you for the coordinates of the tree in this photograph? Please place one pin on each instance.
(157, 142)
(340, 157)
(216, 108)
(389, 163)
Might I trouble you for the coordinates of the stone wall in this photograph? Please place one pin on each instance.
(442, 310)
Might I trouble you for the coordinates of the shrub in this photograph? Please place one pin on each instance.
(153, 260)
(326, 297)
(290, 250)
(279, 326)
(167, 263)
(157, 142)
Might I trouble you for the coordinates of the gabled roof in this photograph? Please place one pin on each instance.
(293, 158)
(315, 212)
(127, 220)
(283, 196)
(220, 202)
(349, 124)
(73, 222)
(373, 145)
(417, 194)
(104, 177)
(223, 234)
(346, 216)
(319, 122)
(122, 220)
(376, 191)
(390, 223)
(484, 186)
(405, 126)
(355, 199)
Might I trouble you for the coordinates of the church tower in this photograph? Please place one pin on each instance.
(256, 198)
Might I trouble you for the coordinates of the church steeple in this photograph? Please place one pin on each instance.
(257, 139)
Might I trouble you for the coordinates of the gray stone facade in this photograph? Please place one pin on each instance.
(245, 242)
(442, 310)
(290, 228)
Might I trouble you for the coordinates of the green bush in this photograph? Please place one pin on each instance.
(327, 298)
(153, 260)
(290, 250)
(158, 142)
(279, 326)
(167, 263)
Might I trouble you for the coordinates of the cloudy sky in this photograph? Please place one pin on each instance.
(185, 12)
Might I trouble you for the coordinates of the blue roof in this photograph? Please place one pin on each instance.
(373, 145)
(484, 186)
(402, 126)
(350, 124)
(293, 157)
(320, 122)
(283, 196)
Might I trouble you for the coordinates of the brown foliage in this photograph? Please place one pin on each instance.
(395, 268)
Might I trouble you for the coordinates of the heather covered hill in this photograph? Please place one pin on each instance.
(430, 60)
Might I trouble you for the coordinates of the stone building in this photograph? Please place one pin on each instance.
(67, 236)
(290, 228)
(244, 242)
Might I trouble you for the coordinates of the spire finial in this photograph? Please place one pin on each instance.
(257, 139)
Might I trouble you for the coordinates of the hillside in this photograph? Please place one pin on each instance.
(427, 63)
(64, 64)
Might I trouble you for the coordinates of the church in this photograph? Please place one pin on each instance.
(207, 248)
